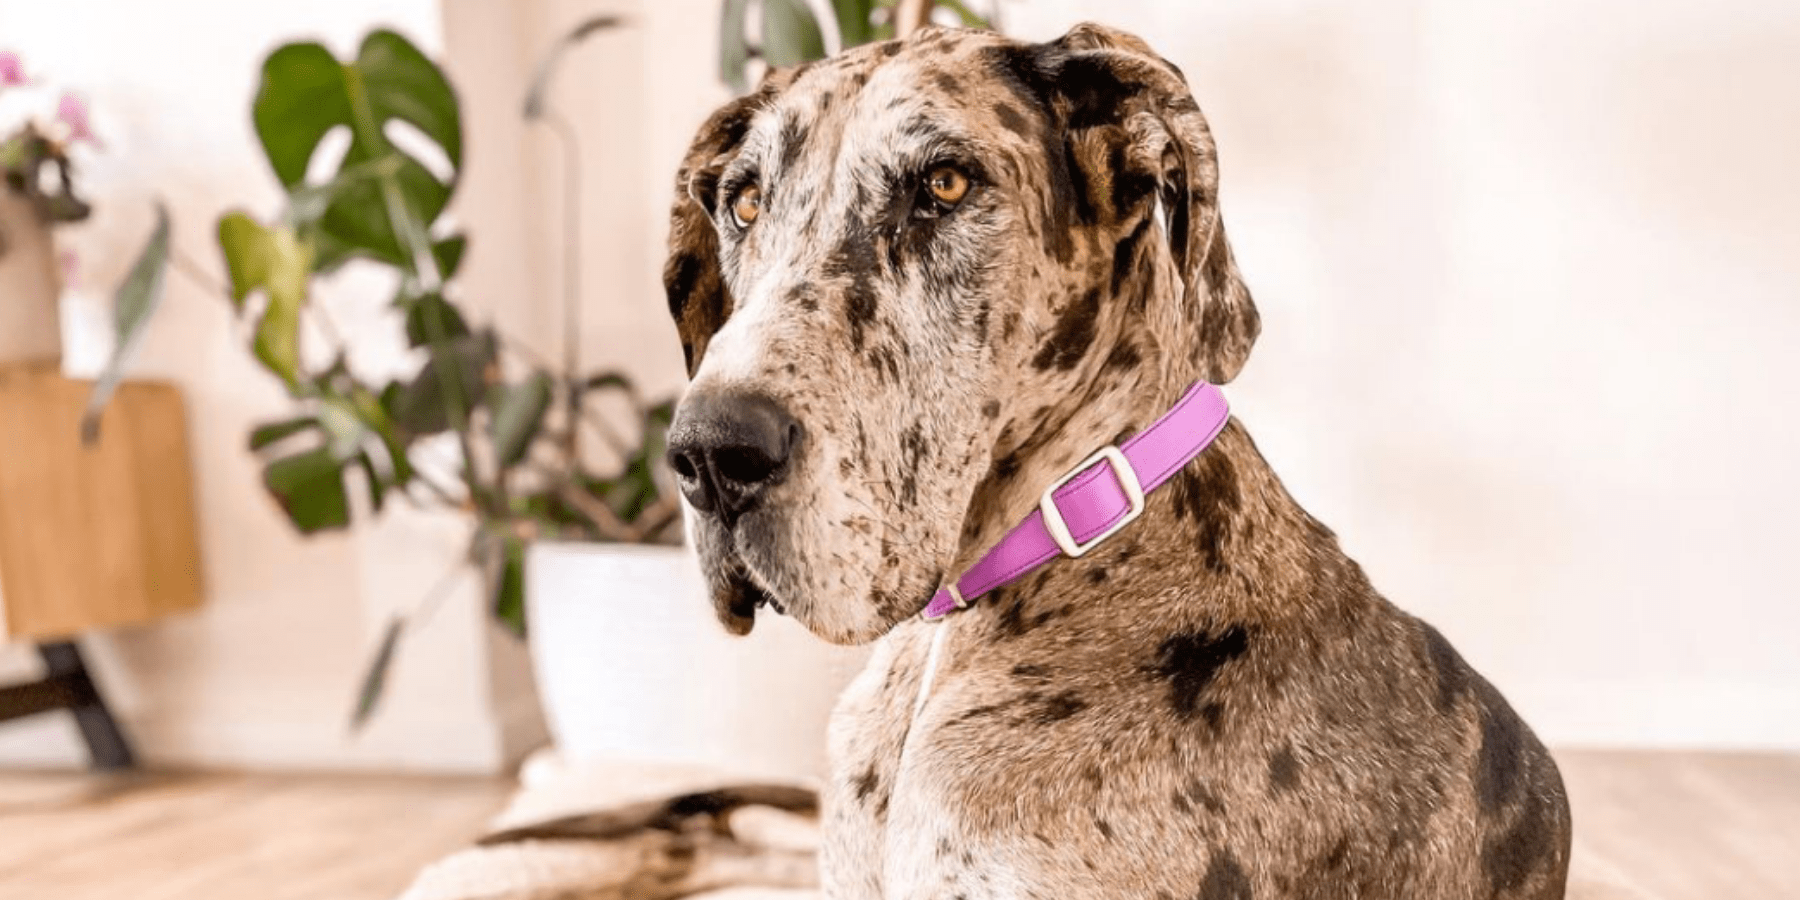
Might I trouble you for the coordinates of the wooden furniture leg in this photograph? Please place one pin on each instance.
(67, 685)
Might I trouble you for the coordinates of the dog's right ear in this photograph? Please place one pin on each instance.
(1136, 138)
(699, 301)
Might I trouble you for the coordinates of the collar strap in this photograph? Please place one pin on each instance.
(1096, 499)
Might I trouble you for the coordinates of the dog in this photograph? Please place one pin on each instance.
(916, 284)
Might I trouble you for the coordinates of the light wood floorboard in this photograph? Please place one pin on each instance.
(1670, 826)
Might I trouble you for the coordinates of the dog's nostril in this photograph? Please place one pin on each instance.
(743, 465)
(683, 465)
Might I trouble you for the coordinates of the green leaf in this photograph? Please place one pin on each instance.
(517, 413)
(854, 22)
(449, 253)
(275, 432)
(734, 45)
(790, 33)
(133, 303)
(302, 97)
(276, 262)
(310, 488)
(277, 341)
(418, 319)
(376, 483)
(306, 93)
(420, 406)
(374, 680)
(508, 582)
(358, 216)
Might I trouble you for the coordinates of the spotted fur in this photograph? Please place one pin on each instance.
(1215, 704)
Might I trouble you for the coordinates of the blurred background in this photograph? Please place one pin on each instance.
(1530, 282)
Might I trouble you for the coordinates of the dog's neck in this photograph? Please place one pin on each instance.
(1230, 504)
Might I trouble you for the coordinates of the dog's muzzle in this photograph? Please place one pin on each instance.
(728, 450)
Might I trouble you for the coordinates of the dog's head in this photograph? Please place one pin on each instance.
(890, 267)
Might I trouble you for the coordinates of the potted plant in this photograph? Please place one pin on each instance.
(484, 428)
(39, 129)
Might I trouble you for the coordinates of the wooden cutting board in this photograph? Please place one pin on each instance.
(92, 536)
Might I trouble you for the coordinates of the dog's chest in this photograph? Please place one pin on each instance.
(869, 733)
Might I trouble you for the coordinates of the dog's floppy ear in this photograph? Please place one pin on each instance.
(1133, 128)
(698, 298)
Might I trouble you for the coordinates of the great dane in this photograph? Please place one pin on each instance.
(919, 283)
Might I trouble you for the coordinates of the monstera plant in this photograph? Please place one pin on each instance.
(481, 426)
(789, 31)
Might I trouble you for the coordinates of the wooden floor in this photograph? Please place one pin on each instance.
(230, 837)
(1669, 826)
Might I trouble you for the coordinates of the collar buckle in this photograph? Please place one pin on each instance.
(1058, 527)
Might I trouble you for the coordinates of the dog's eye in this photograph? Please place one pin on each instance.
(746, 206)
(947, 184)
(943, 188)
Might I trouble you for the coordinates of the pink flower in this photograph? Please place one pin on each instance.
(12, 71)
(73, 113)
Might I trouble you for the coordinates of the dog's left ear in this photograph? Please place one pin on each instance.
(699, 301)
(1134, 129)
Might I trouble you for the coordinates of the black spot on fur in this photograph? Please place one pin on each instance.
(1104, 827)
(1096, 94)
(855, 259)
(1284, 769)
(1004, 468)
(1536, 842)
(793, 140)
(1195, 796)
(1125, 259)
(1030, 672)
(1085, 212)
(1225, 878)
(1012, 120)
(1452, 673)
(913, 450)
(1207, 493)
(684, 274)
(1096, 575)
(1073, 335)
(889, 48)
(1190, 661)
(990, 409)
(1124, 357)
(808, 299)
(1060, 707)
(1498, 765)
(866, 784)
(947, 83)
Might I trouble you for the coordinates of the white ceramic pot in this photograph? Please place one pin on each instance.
(632, 666)
(30, 329)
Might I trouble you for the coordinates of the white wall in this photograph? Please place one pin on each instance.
(265, 674)
(1530, 277)
(1528, 274)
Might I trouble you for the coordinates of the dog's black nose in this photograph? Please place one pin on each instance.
(727, 449)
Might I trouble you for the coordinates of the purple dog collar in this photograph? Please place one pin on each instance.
(1085, 507)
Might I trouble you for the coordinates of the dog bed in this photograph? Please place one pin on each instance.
(635, 832)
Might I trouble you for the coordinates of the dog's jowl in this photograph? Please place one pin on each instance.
(918, 283)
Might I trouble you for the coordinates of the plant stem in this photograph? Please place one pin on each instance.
(571, 148)
(424, 266)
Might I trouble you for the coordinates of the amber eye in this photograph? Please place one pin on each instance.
(746, 206)
(947, 184)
